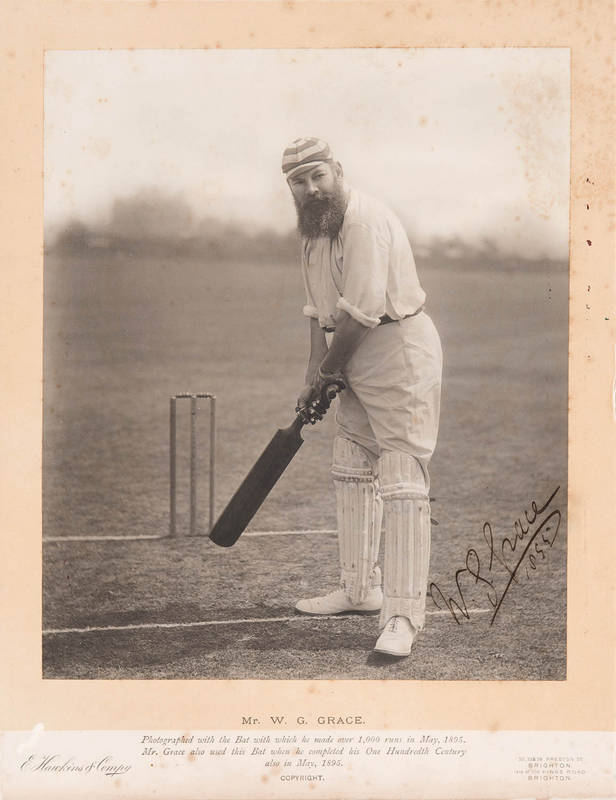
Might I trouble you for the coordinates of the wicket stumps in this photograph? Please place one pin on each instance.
(193, 397)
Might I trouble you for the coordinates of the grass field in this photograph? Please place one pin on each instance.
(122, 333)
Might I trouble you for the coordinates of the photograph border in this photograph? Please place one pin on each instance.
(585, 701)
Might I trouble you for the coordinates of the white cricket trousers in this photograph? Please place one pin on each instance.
(392, 401)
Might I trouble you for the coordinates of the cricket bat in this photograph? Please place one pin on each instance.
(267, 470)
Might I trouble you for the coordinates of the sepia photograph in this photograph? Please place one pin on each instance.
(305, 361)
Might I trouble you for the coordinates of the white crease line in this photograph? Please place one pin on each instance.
(205, 623)
(98, 538)
(286, 533)
(138, 538)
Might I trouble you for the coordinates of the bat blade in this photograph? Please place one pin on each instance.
(257, 485)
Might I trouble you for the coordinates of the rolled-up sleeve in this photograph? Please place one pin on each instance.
(310, 308)
(364, 275)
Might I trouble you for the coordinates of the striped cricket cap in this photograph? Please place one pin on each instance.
(303, 154)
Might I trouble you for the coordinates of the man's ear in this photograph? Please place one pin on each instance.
(338, 171)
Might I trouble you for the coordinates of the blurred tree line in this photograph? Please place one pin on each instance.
(154, 222)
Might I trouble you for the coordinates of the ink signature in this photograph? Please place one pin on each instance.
(532, 537)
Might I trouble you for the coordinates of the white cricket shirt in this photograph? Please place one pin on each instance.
(368, 270)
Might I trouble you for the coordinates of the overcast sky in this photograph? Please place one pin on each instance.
(473, 143)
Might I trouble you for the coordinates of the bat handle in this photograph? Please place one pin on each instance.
(316, 410)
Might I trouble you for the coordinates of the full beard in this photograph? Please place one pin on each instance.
(322, 216)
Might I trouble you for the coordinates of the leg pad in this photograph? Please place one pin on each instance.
(407, 538)
(359, 514)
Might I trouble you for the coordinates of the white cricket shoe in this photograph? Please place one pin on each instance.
(396, 638)
(338, 603)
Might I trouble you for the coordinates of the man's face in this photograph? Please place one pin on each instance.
(320, 200)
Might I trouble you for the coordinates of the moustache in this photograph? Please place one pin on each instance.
(316, 202)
